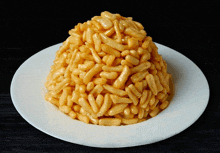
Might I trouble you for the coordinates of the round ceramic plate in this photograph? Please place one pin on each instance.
(187, 105)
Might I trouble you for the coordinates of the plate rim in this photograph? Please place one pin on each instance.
(56, 45)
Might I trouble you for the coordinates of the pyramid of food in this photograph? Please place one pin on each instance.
(108, 72)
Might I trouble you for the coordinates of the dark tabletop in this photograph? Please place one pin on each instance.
(191, 29)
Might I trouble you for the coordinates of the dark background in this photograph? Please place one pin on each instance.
(190, 28)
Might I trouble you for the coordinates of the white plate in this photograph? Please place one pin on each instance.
(189, 102)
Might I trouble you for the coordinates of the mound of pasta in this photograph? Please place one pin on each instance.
(108, 72)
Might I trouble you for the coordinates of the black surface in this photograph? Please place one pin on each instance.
(190, 28)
